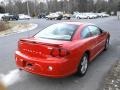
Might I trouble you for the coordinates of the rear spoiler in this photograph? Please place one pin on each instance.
(38, 42)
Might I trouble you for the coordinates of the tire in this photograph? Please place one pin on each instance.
(20, 69)
(65, 18)
(68, 18)
(10, 19)
(78, 18)
(59, 19)
(88, 17)
(107, 44)
(83, 66)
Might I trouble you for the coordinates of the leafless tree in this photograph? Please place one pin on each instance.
(68, 6)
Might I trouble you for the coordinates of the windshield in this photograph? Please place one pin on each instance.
(58, 32)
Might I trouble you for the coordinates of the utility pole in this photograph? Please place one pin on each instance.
(5, 6)
(28, 11)
(47, 4)
(35, 9)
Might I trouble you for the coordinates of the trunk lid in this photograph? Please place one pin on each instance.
(38, 48)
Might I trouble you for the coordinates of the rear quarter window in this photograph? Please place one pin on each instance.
(85, 33)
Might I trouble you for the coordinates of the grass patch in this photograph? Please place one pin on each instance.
(5, 25)
(7, 28)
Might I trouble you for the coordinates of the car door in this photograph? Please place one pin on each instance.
(99, 38)
(90, 41)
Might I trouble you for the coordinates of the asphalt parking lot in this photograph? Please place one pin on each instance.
(91, 81)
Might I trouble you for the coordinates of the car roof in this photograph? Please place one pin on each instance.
(79, 23)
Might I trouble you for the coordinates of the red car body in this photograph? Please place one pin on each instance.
(58, 58)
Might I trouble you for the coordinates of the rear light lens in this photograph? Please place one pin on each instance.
(55, 52)
(63, 52)
(59, 52)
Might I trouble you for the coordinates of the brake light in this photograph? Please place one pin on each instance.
(59, 52)
(55, 52)
(63, 52)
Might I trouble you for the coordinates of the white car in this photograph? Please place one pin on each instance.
(67, 16)
(103, 15)
(81, 16)
(3, 14)
(54, 16)
(74, 15)
(84, 15)
(91, 15)
(23, 17)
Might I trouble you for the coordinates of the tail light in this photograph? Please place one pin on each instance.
(59, 52)
(63, 52)
(19, 43)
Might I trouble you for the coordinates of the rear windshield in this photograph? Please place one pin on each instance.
(58, 32)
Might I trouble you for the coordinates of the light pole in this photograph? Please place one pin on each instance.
(28, 11)
(35, 9)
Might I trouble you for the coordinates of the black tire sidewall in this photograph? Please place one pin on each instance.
(107, 43)
(79, 72)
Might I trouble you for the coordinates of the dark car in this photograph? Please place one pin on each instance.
(10, 17)
(41, 16)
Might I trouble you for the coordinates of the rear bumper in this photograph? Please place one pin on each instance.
(50, 68)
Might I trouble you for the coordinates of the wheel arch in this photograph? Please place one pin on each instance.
(88, 53)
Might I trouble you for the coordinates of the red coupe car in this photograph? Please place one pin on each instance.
(61, 49)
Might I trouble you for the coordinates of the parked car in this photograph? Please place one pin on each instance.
(3, 14)
(23, 17)
(54, 16)
(91, 15)
(10, 17)
(81, 16)
(62, 49)
(74, 14)
(41, 15)
(86, 16)
(67, 16)
(103, 15)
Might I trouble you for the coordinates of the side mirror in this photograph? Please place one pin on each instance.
(101, 30)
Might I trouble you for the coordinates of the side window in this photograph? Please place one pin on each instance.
(85, 33)
(94, 30)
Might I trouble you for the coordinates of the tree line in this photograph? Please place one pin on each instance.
(69, 6)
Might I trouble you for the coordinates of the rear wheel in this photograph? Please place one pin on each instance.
(68, 18)
(20, 69)
(65, 17)
(88, 17)
(83, 66)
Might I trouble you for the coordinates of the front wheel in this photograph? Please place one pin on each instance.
(83, 66)
(107, 44)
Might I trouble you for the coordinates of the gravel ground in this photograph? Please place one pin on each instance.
(112, 80)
